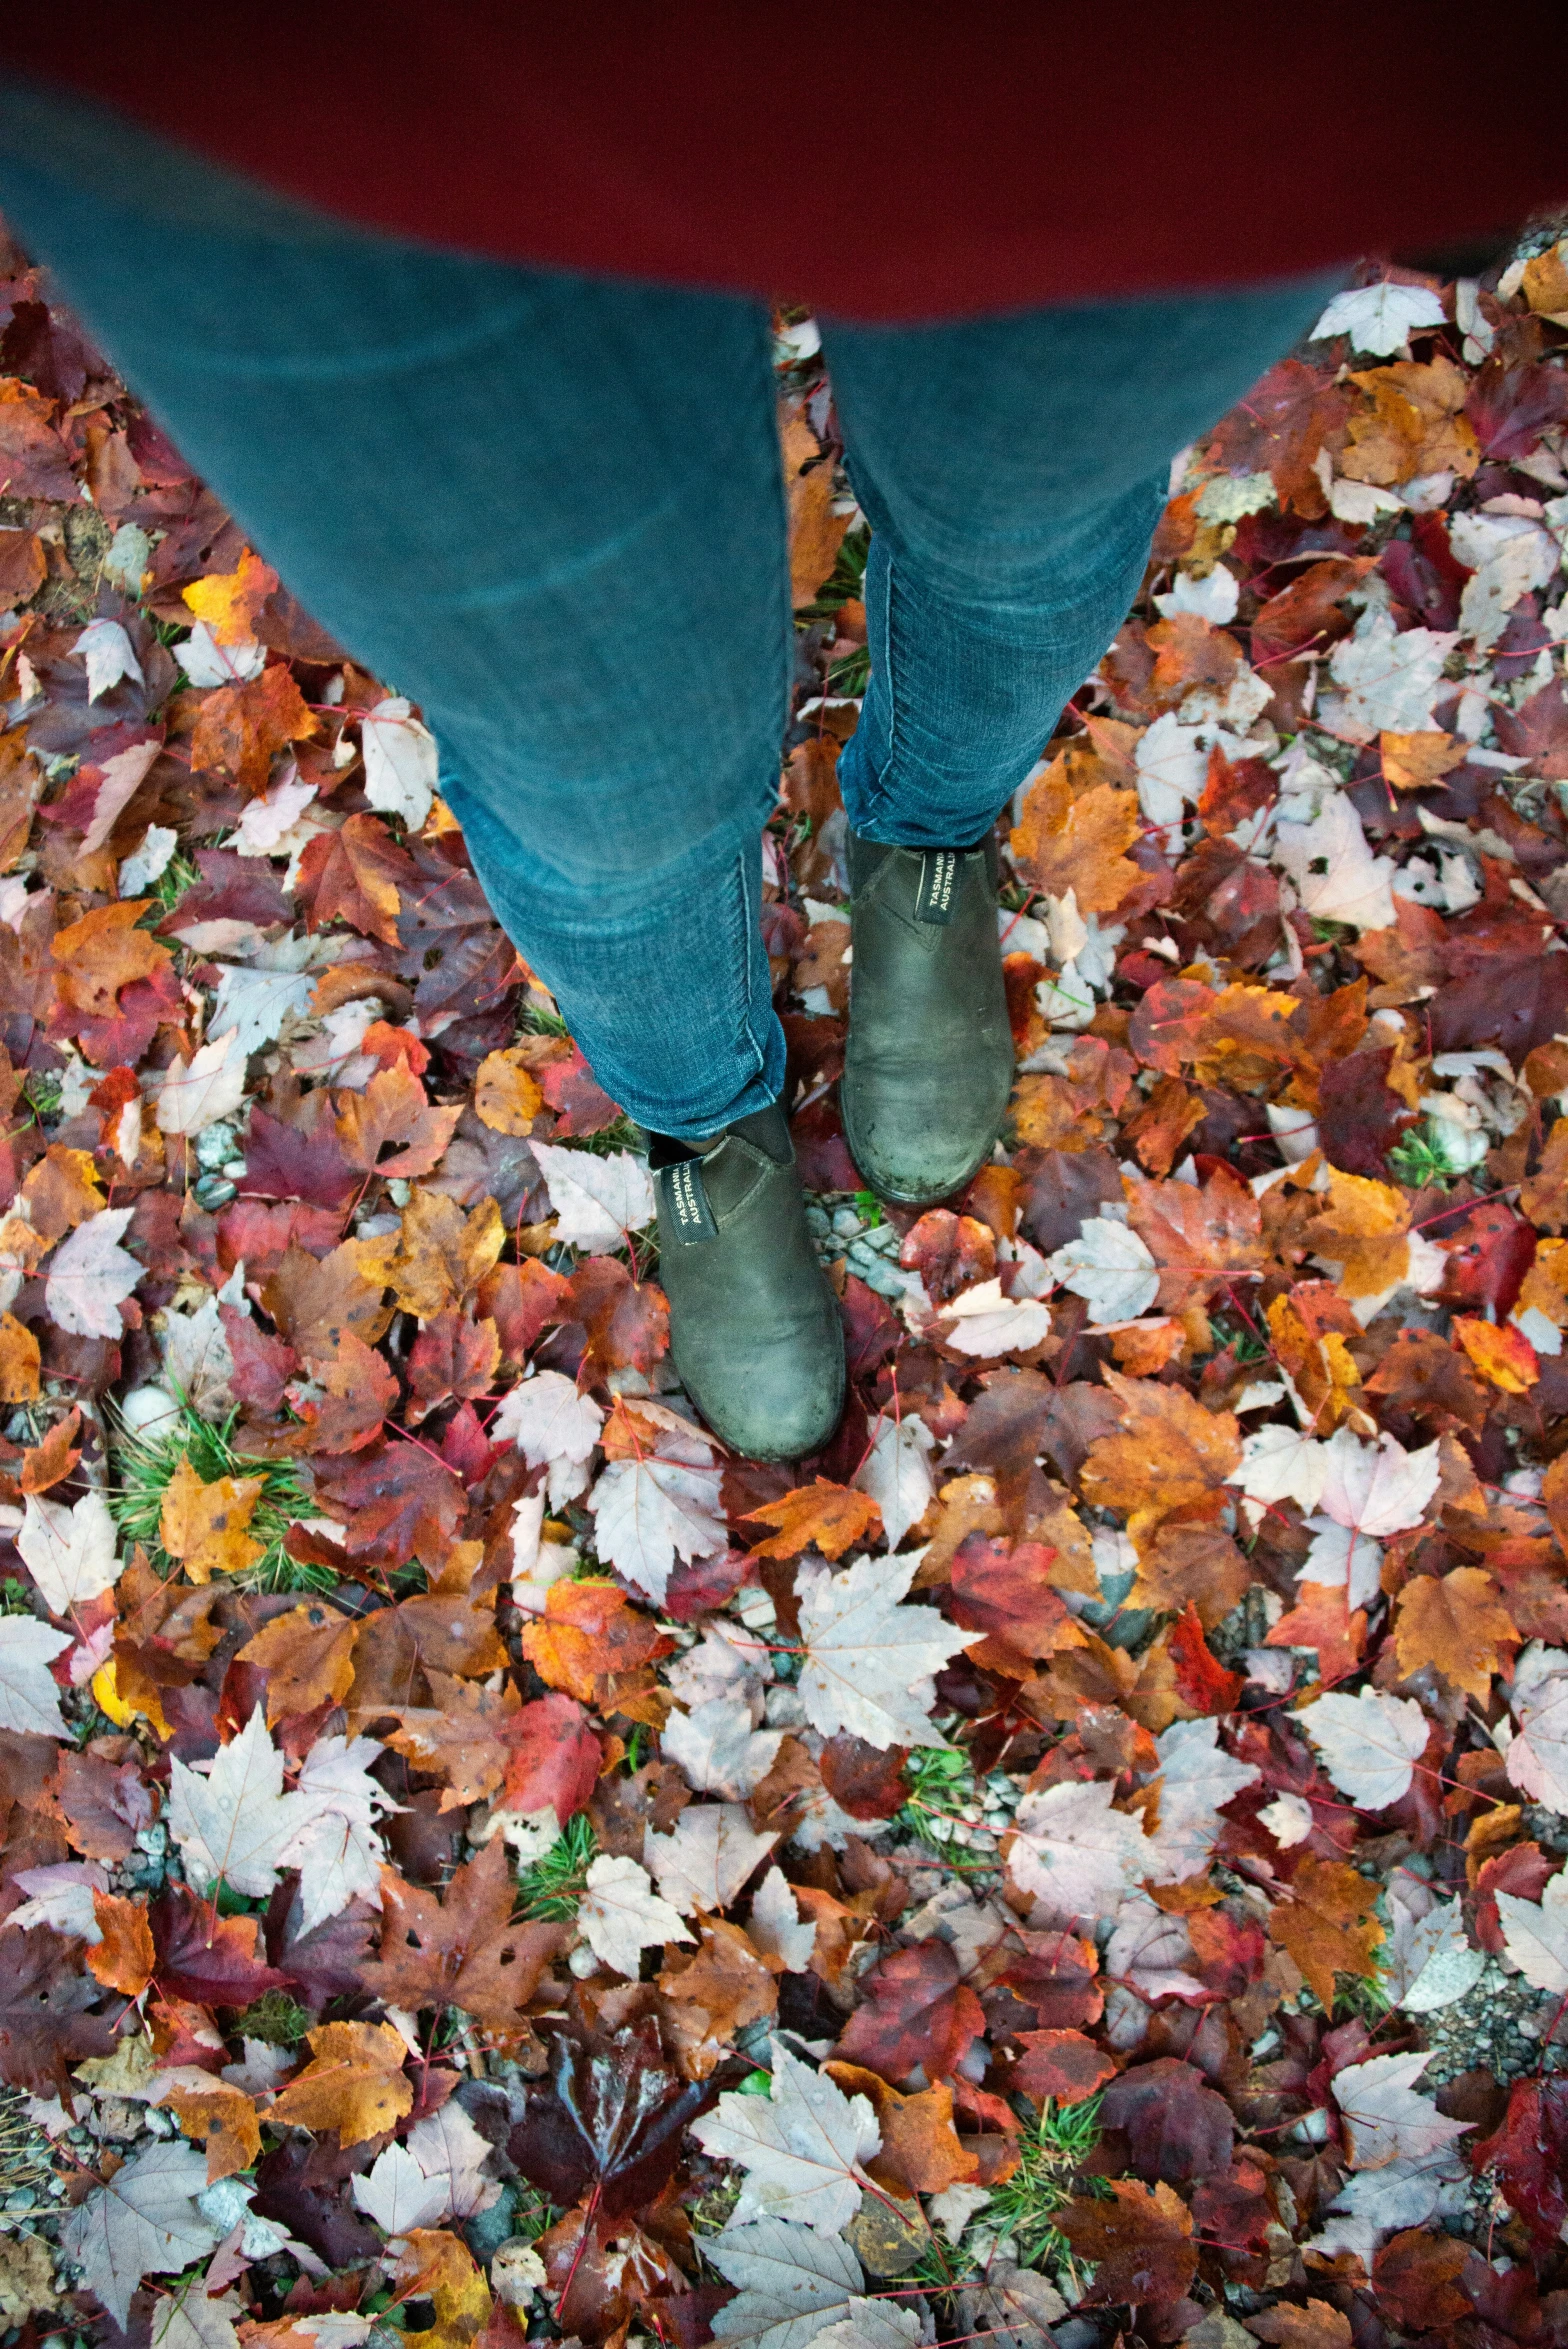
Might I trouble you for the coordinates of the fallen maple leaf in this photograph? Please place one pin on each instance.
(90, 1275)
(354, 2082)
(1370, 1743)
(1326, 1924)
(801, 2148)
(232, 1820)
(868, 1660)
(1385, 2120)
(1458, 1624)
(821, 1516)
(1139, 2240)
(621, 1915)
(29, 1694)
(462, 1950)
(70, 1550)
(203, 1525)
(706, 1858)
(793, 2281)
(143, 2222)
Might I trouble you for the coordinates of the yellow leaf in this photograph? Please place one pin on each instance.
(203, 1525)
(506, 1095)
(230, 601)
(354, 2082)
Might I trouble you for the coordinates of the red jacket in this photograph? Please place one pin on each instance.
(881, 158)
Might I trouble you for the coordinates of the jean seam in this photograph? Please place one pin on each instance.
(749, 916)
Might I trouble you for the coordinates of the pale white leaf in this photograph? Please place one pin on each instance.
(335, 1845)
(401, 761)
(1197, 1779)
(650, 1511)
(206, 662)
(123, 776)
(984, 1323)
(1538, 1756)
(69, 1549)
(143, 2222)
(1370, 1743)
(89, 1274)
(1379, 318)
(234, 1823)
(896, 1471)
(869, 1663)
(256, 999)
(1075, 1854)
(717, 1749)
(1288, 1819)
(188, 2319)
(1342, 1559)
(1385, 2119)
(1214, 598)
(148, 861)
(1281, 1464)
(1110, 1268)
(1152, 1951)
(872, 2324)
(61, 1896)
(453, 2154)
(212, 1086)
(198, 1361)
(1535, 1934)
(792, 2282)
(1390, 680)
(598, 1200)
(29, 1694)
(706, 1857)
(267, 823)
(621, 1915)
(109, 654)
(548, 1418)
(801, 2146)
(777, 1934)
(1376, 1489)
(396, 2193)
(1337, 877)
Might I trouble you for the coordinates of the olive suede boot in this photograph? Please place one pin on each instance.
(754, 1326)
(929, 1065)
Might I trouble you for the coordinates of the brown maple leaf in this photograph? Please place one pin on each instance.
(1139, 2241)
(307, 1655)
(462, 1950)
(1169, 1453)
(241, 727)
(1077, 840)
(356, 875)
(1324, 1921)
(104, 952)
(1459, 1625)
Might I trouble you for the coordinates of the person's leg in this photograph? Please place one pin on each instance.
(549, 508)
(1013, 470)
(511, 494)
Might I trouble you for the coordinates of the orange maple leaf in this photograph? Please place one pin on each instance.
(821, 1516)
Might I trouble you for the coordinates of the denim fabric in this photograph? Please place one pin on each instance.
(549, 508)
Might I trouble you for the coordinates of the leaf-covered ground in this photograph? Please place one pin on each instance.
(1086, 1851)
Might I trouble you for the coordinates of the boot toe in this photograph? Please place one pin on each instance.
(779, 1395)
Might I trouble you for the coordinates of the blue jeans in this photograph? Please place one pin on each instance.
(549, 508)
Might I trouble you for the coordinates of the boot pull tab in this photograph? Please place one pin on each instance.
(937, 885)
(690, 1214)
